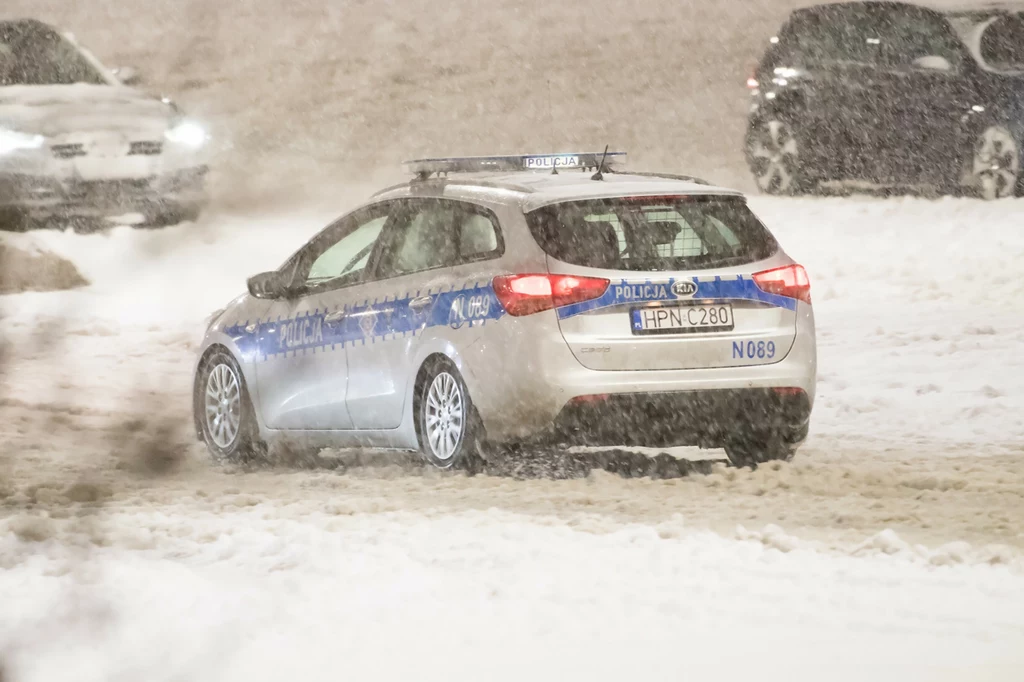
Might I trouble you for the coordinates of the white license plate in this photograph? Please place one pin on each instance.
(682, 319)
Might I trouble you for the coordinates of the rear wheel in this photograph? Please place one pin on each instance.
(751, 451)
(225, 413)
(773, 153)
(995, 166)
(446, 422)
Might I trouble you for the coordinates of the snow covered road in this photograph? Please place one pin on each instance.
(893, 542)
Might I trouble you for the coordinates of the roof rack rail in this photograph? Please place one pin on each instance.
(668, 176)
(424, 168)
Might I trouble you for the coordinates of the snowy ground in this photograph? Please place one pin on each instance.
(891, 547)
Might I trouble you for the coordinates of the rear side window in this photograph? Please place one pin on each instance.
(433, 233)
(652, 233)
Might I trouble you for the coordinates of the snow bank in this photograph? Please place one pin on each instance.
(33, 269)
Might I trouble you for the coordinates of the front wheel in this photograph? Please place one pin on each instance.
(447, 429)
(749, 452)
(224, 412)
(994, 169)
(773, 153)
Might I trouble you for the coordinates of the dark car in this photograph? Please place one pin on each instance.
(887, 93)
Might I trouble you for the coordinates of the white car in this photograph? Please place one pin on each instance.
(75, 141)
(511, 299)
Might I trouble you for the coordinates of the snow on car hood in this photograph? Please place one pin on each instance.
(56, 110)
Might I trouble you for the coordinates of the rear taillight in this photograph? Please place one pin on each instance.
(528, 294)
(790, 281)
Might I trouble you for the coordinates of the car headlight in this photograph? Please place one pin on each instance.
(13, 141)
(188, 134)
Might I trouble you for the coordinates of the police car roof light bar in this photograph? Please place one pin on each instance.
(424, 168)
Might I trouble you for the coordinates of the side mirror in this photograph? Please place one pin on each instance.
(127, 75)
(270, 285)
(933, 63)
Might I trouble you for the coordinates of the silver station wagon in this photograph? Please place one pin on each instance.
(520, 299)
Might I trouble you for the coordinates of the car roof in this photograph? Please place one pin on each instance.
(880, 6)
(978, 9)
(35, 24)
(533, 189)
(948, 8)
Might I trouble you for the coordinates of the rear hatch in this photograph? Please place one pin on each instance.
(693, 282)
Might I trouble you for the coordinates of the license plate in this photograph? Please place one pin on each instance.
(682, 319)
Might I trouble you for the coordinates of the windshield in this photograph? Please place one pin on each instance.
(863, 35)
(652, 233)
(37, 55)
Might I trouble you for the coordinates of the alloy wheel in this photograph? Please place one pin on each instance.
(445, 416)
(774, 155)
(223, 402)
(996, 166)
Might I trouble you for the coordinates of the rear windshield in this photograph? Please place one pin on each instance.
(652, 233)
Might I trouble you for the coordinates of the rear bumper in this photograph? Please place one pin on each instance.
(703, 418)
(40, 197)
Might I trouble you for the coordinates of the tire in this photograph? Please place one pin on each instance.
(994, 164)
(171, 215)
(447, 426)
(773, 154)
(224, 411)
(751, 451)
(13, 220)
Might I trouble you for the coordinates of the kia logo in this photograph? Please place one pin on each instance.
(684, 287)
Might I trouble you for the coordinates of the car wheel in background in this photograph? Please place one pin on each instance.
(13, 220)
(224, 412)
(447, 425)
(773, 154)
(752, 450)
(994, 169)
(166, 216)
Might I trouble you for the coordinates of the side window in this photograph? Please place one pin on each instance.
(437, 233)
(478, 237)
(344, 260)
(423, 240)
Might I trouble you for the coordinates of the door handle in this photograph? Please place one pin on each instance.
(420, 302)
(336, 316)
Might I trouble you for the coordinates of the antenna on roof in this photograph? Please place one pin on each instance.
(599, 175)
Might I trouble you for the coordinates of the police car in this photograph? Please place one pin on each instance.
(517, 299)
(75, 141)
